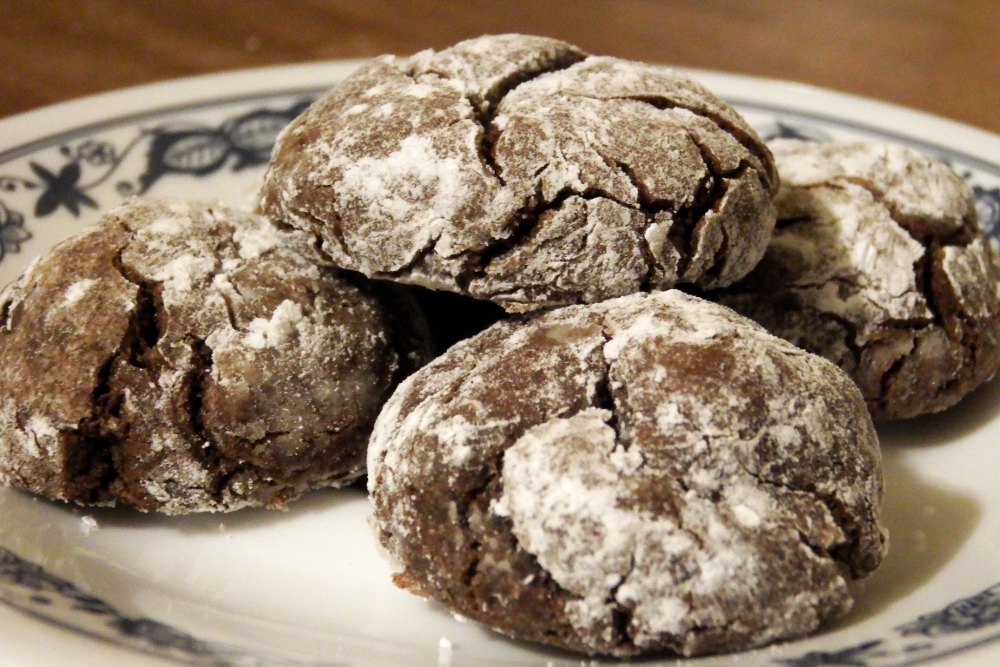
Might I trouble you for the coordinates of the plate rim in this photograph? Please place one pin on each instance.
(753, 89)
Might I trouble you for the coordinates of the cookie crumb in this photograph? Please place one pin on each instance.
(444, 652)
(88, 524)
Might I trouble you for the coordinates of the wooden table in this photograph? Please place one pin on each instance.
(935, 55)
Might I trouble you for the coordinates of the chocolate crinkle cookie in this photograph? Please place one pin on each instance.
(653, 472)
(183, 357)
(879, 265)
(523, 171)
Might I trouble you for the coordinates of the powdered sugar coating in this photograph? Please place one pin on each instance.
(520, 170)
(181, 356)
(646, 473)
(878, 264)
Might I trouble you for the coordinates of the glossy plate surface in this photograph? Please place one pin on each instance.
(117, 588)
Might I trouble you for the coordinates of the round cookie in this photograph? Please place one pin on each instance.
(652, 472)
(878, 264)
(521, 170)
(183, 357)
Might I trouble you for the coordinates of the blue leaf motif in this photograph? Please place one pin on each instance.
(782, 129)
(988, 209)
(855, 656)
(253, 134)
(256, 131)
(199, 151)
(12, 231)
(194, 152)
(967, 614)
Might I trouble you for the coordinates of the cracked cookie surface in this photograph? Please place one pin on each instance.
(878, 264)
(521, 170)
(184, 357)
(653, 472)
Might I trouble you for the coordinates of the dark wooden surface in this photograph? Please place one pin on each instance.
(940, 56)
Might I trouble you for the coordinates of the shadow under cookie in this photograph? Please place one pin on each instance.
(928, 526)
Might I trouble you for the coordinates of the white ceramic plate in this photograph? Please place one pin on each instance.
(306, 587)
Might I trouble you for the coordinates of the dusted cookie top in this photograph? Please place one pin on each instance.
(520, 170)
(652, 472)
(183, 357)
(878, 264)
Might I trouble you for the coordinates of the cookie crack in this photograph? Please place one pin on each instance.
(721, 185)
(230, 308)
(144, 353)
(849, 289)
(478, 261)
(851, 331)
(711, 191)
(602, 397)
(682, 233)
(622, 614)
(209, 452)
(486, 113)
(644, 202)
(93, 469)
(605, 398)
(792, 221)
(925, 265)
(684, 220)
(841, 553)
(202, 362)
(418, 258)
(147, 355)
(485, 107)
(144, 332)
(493, 477)
(749, 142)
(613, 398)
(887, 381)
(962, 236)
(331, 231)
(6, 313)
(105, 429)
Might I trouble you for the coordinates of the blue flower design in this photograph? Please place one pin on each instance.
(12, 231)
(855, 656)
(988, 209)
(61, 189)
(972, 613)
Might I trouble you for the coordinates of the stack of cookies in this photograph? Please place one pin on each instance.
(621, 464)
